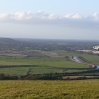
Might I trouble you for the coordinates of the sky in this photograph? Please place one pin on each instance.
(50, 19)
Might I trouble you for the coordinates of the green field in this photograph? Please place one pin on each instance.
(38, 65)
(81, 89)
(34, 69)
(45, 64)
(22, 70)
(90, 58)
(58, 62)
(13, 71)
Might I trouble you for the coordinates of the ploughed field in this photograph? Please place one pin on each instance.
(74, 89)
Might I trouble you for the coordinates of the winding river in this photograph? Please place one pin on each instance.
(97, 67)
(75, 58)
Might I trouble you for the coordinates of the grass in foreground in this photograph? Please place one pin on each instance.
(86, 89)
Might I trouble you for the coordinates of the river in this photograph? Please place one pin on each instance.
(75, 58)
(97, 67)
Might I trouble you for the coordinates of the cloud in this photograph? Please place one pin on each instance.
(4, 17)
(74, 16)
(19, 16)
(69, 20)
(96, 16)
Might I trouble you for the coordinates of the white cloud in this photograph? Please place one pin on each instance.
(74, 16)
(39, 15)
(22, 16)
(53, 16)
(69, 20)
(96, 16)
(4, 16)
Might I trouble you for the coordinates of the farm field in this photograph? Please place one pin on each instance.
(74, 89)
(90, 58)
(20, 65)
(14, 71)
(16, 66)
(28, 69)
(57, 62)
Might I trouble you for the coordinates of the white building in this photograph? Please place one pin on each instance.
(96, 47)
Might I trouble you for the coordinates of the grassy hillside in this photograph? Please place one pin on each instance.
(86, 89)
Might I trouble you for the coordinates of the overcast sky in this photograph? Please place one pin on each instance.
(50, 19)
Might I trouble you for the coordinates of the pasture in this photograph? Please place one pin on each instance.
(45, 61)
(91, 58)
(16, 65)
(21, 65)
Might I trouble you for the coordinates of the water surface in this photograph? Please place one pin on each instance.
(75, 58)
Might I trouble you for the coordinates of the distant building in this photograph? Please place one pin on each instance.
(96, 47)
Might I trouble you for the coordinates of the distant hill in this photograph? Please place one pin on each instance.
(7, 43)
(7, 40)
